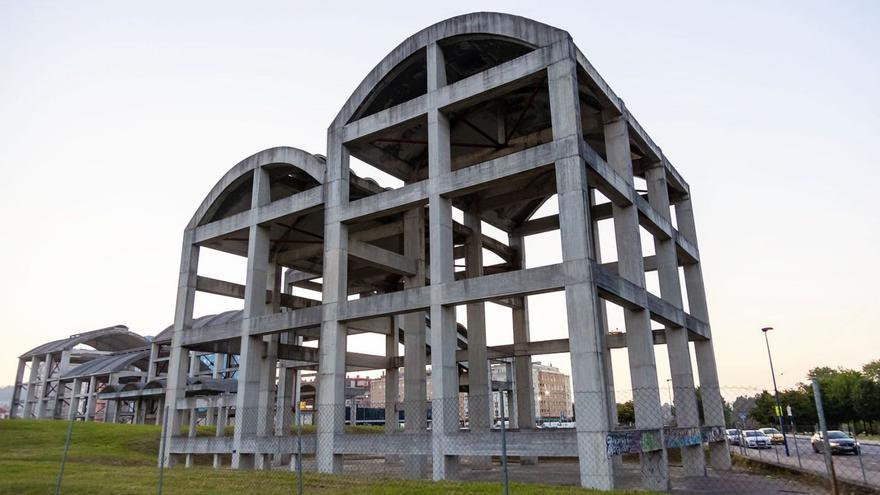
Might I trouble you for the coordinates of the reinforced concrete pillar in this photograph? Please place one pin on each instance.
(92, 404)
(43, 391)
(588, 374)
(178, 360)
(603, 319)
(268, 369)
(522, 365)
(284, 402)
(639, 336)
(252, 348)
(216, 373)
(160, 410)
(29, 403)
(685, 397)
(332, 345)
(16, 391)
(415, 391)
(55, 398)
(111, 410)
(444, 370)
(191, 432)
(713, 405)
(222, 419)
(73, 407)
(479, 398)
(151, 366)
(392, 379)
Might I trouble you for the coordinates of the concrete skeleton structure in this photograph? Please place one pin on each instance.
(492, 115)
(70, 378)
(489, 115)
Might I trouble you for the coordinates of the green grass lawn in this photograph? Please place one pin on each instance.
(121, 460)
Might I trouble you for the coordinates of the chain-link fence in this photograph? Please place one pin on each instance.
(672, 439)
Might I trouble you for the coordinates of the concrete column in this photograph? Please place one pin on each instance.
(392, 380)
(42, 394)
(183, 317)
(415, 392)
(111, 409)
(251, 353)
(29, 403)
(151, 367)
(686, 412)
(522, 365)
(73, 407)
(332, 346)
(222, 419)
(269, 369)
(92, 404)
(219, 364)
(160, 410)
(16, 391)
(588, 374)
(444, 370)
(603, 318)
(191, 433)
(639, 337)
(284, 401)
(56, 397)
(713, 407)
(479, 400)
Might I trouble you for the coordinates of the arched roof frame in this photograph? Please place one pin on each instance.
(312, 165)
(116, 338)
(485, 23)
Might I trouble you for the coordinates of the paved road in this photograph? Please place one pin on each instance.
(847, 467)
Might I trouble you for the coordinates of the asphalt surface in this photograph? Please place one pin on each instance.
(847, 466)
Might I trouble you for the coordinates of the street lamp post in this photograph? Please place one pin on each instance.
(776, 391)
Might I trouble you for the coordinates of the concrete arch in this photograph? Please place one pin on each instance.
(283, 155)
(493, 23)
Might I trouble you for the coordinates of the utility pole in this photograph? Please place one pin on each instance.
(776, 392)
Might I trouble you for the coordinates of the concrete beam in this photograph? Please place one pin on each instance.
(231, 289)
(382, 258)
(298, 203)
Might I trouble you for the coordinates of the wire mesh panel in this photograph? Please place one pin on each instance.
(260, 450)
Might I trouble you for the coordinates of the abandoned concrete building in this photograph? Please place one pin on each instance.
(480, 120)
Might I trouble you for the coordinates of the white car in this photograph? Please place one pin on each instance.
(754, 439)
(733, 436)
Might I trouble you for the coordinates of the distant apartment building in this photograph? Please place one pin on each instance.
(552, 390)
(376, 397)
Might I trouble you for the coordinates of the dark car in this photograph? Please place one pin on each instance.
(840, 443)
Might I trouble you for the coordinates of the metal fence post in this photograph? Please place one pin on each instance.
(64, 456)
(797, 451)
(299, 448)
(504, 446)
(162, 449)
(826, 447)
(859, 455)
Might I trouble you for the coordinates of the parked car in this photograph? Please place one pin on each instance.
(840, 443)
(773, 434)
(732, 436)
(754, 439)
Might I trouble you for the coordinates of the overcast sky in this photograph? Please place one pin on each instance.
(116, 118)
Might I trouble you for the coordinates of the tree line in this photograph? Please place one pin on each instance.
(851, 399)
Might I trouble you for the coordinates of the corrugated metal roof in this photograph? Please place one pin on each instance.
(203, 321)
(108, 364)
(115, 338)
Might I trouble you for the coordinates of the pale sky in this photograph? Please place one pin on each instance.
(116, 118)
